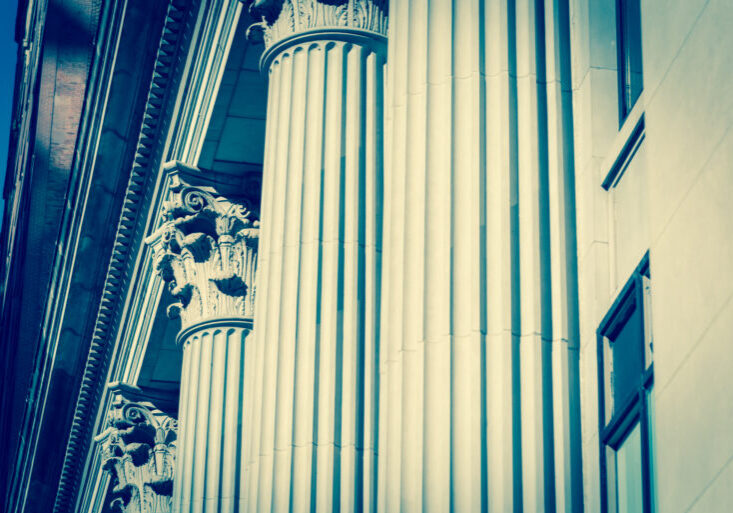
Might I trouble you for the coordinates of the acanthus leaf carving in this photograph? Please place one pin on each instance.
(138, 450)
(283, 18)
(206, 251)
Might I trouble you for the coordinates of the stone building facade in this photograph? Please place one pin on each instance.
(369, 255)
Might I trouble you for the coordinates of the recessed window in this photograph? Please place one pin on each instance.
(628, 35)
(625, 370)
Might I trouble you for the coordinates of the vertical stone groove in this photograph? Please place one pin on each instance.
(211, 415)
(315, 414)
(471, 290)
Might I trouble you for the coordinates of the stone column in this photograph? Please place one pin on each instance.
(478, 410)
(139, 451)
(313, 429)
(206, 250)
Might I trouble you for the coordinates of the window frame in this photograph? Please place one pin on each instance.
(635, 408)
(623, 109)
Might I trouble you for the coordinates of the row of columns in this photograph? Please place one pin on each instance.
(414, 343)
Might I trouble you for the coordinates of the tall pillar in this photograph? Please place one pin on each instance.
(313, 429)
(477, 338)
(206, 250)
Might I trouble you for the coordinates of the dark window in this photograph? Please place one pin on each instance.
(625, 370)
(628, 30)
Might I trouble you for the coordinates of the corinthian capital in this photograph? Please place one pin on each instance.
(284, 18)
(138, 450)
(206, 251)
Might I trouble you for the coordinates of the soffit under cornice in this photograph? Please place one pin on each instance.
(207, 59)
(234, 135)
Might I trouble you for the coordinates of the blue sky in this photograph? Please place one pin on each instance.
(8, 53)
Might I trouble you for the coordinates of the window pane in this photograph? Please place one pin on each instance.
(628, 473)
(608, 395)
(627, 346)
(631, 66)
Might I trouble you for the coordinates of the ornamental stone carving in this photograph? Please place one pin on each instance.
(138, 450)
(206, 251)
(284, 18)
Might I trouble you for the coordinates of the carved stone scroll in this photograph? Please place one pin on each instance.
(206, 250)
(138, 450)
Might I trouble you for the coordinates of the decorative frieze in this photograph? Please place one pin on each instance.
(282, 19)
(206, 250)
(138, 450)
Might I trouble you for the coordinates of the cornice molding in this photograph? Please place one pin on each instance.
(166, 69)
(206, 250)
(284, 19)
(138, 451)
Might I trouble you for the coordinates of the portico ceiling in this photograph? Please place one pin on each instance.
(236, 132)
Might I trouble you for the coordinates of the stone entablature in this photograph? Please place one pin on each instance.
(206, 250)
(282, 19)
(138, 450)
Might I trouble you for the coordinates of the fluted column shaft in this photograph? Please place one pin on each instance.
(313, 430)
(211, 410)
(476, 405)
(206, 250)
